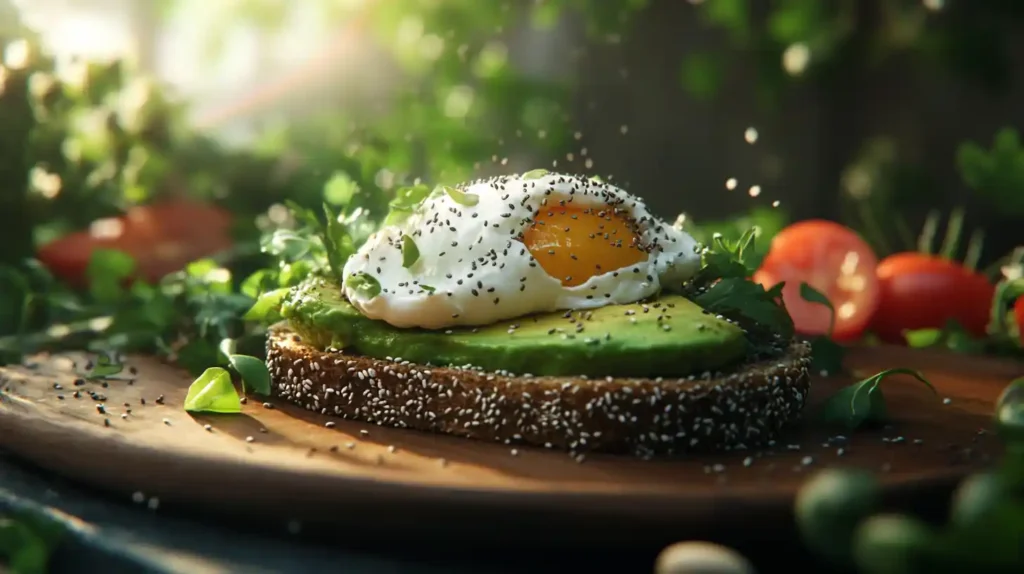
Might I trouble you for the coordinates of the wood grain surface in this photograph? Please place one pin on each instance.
(277, 462)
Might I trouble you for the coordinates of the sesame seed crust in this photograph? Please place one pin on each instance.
(708, 413)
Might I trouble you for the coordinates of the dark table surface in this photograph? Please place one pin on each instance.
(110, 534)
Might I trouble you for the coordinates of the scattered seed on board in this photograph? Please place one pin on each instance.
(392, 449)
(167, 421)
(160, 400)
(153, 503)
(208, 428)
(249, 439)
(329, 424)
(947, 401)
(350, 445)
(138, 497)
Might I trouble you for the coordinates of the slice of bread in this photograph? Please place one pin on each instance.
(710, 412)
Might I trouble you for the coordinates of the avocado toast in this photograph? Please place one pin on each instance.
(618, 333)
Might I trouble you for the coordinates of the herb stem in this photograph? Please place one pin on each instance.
(926, 240)
(954, 229)
(974, 247)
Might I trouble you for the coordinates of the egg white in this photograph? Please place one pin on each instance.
(473, 270)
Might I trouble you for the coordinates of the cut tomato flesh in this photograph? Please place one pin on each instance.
(833, 260)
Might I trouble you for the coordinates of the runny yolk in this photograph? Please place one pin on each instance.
(574, 244)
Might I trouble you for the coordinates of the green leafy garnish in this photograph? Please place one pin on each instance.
(535, 174)
(364, 284)
(253, 371)
(952, 337)
(723, 286)
(106, 273)
(410, 253)
(212, 392)
(862, 403)
(997, 173)
(461, 197)
(826, 354)
(104, 367)
(428, 288)
(266, 306)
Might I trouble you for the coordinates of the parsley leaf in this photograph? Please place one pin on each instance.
(862, 403)
(406, 200)
(723, 286)
(535, 174)
(212, 392)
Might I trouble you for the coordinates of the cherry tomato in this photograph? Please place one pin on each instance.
(920, 291)
(161, 237)
(1018, 313)
(835, 261)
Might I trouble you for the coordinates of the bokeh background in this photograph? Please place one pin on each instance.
(872, 112)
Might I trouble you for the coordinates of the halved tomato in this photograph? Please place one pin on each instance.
(921, 291)
(834, 260)
(161, 237)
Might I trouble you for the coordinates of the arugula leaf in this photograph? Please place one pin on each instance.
(212, 392)
(862, 403)
(410, 253)
(337, 241)
(364, 284)
(253, 371)
(826, 354)
(461, 197)
(535, 174)
(997, 173)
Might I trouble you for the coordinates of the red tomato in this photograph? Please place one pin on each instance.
(834, 260)
(1018, 313)
(920, 291)
(161, 237)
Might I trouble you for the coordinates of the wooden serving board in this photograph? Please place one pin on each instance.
(280, 463)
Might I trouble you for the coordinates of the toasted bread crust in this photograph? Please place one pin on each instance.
(641, 416)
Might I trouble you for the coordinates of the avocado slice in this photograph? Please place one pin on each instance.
(670, 336)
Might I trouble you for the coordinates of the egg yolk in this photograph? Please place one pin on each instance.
(575, 244)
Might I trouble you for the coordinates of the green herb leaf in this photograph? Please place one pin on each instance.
(104, 367)
(266, 307)
(427, 288)
(462, 198)
(922, 338)
(863, 403)
(410, 253)
(364, 284)
(535, 174)
(253, 371)
(212, 392)
(24, 548)
(106, 273)
(812, 295)
(740, 298)
(340, 189)
(406, 200)
(952, 337)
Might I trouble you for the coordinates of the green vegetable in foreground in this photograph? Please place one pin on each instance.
(830, 506)
(410, 253)
(461, 197)
(213, 392)
(862, 403)
(26, 543)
